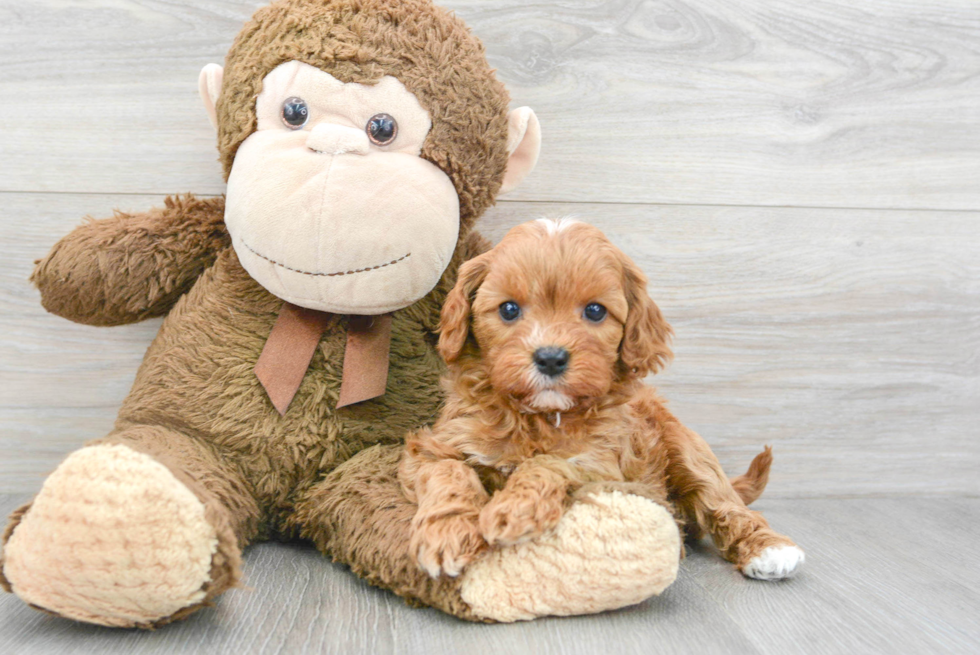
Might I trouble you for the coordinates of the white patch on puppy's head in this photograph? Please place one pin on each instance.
(553, 226)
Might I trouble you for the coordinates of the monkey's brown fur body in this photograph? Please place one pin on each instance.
(196, 406)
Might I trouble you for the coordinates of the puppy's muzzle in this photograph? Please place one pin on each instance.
(551, 360)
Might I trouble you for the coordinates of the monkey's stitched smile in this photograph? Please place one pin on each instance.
(316, 274)
(355, 205)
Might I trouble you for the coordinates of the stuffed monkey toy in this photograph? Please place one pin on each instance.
(360, 140)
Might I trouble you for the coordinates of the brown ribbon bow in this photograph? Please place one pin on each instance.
(295, 337)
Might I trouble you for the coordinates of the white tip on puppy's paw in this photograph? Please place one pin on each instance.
(775, 563)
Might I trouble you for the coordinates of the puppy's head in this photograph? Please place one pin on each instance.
(557, 314)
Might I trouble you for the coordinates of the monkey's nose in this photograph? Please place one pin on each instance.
(337, 140)
(551, 360)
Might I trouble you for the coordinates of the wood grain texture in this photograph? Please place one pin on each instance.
(873, 583)
(825, 103)
(849, 340)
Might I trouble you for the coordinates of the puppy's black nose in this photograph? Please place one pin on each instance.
(551, 360)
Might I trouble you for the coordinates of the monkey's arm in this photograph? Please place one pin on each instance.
(131, 267)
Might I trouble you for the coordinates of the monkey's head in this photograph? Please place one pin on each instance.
(360, 140)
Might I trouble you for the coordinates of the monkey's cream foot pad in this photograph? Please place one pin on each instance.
(113, 538)
(616, 551)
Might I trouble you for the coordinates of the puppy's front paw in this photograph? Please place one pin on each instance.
(775, 563)
(511, 517)
(445, 545)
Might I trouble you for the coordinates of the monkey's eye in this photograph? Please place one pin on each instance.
(509, 311)
(295, 113)
(594, 312)
(381, 129)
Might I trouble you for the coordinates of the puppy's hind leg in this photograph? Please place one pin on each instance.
(706, 498)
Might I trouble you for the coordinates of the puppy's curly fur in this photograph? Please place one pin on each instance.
(518, 440)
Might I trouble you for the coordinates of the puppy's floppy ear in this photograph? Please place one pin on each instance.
(454, 326)
(645, 347)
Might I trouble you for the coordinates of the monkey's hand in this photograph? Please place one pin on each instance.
(131, 267)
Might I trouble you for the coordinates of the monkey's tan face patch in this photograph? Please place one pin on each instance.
(325, 217)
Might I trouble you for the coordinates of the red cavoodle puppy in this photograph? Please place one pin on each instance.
(548, 337)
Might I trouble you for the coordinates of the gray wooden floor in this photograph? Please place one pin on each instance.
(800, 181)
(895, 575)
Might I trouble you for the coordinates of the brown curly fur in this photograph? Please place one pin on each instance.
(539, 440)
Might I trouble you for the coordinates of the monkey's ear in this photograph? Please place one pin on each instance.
(523, 145)
(209, 86)
(454, 327)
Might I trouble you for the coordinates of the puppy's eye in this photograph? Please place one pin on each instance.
(381, 129)
(594, 312)
(295, 113)
(509, 311)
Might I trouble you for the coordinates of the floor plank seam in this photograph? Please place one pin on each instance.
(517, 201)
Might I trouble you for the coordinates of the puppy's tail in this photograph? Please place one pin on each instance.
(750, 484)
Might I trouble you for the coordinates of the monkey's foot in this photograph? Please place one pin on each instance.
(114, 539)
(617, 550)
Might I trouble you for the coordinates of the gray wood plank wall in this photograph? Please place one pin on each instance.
(801, 181)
